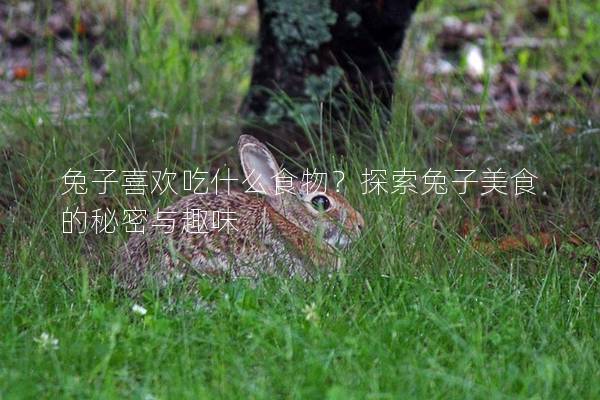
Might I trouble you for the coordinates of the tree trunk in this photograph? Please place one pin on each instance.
(316, 57)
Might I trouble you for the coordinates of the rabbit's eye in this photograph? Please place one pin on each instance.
(321, 202)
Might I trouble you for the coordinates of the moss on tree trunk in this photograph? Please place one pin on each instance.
(314, 52)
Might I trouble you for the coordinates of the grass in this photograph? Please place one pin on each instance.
(420, 311)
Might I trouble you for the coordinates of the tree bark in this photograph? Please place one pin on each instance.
(316, 57)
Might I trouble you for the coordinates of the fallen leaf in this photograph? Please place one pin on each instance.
(512, 243)
(80, 28)
(21, 73)
(535, 119)
(466, 228)
(575, 239)
(539, 240)
(542, 239)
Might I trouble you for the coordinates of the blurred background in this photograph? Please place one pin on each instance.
(160, 84)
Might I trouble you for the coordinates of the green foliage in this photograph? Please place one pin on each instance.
(417, 312)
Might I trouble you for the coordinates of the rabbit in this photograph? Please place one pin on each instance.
(293, 232)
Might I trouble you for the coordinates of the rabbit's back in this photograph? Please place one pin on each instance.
(210, 234)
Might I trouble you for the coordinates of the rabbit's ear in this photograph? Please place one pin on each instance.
(260, 167)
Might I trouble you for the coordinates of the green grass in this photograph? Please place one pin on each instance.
(419, 311)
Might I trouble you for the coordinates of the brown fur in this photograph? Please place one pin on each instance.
(275, 234)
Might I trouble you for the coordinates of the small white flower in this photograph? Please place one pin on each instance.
(515, 147)
(39, 121)
(474, 60)
(136, 308)
(157, 114)
(47, 341)
(310, 312)
(134, 87)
